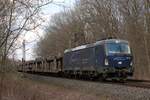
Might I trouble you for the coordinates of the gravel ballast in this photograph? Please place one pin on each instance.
(98, 89)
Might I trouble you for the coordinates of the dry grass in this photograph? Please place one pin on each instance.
(13, 87)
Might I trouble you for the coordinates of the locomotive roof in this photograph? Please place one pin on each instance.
(95, 44)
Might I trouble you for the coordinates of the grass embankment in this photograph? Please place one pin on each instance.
(13, 87)
(17, 87)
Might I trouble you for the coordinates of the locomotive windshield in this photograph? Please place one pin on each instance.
(117, 48)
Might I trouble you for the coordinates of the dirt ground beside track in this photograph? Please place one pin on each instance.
(13, 88)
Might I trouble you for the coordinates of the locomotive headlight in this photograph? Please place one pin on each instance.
(131, 63)
(117, 41)
(106, 62)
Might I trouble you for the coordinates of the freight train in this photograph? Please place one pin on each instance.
(108, 58)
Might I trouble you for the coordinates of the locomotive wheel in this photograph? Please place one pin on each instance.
(124, 79)
(104, 77)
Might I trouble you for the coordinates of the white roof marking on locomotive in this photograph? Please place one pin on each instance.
(115, 40)
(79, 47)
(110, 41)
(95, 44)
(76, 48)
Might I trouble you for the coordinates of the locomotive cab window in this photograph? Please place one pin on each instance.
(117, 48)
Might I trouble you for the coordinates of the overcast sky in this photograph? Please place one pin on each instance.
(34, 36)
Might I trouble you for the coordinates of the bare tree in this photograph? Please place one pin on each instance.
(18, 16)
(66, 30)
(101, 15)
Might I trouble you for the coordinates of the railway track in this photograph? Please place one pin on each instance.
(138, 83)
(131, 83)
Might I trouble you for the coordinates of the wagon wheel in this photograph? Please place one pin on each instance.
(123, 80)
(103, 77)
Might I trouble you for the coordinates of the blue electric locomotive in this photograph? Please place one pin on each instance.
(110, 58)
